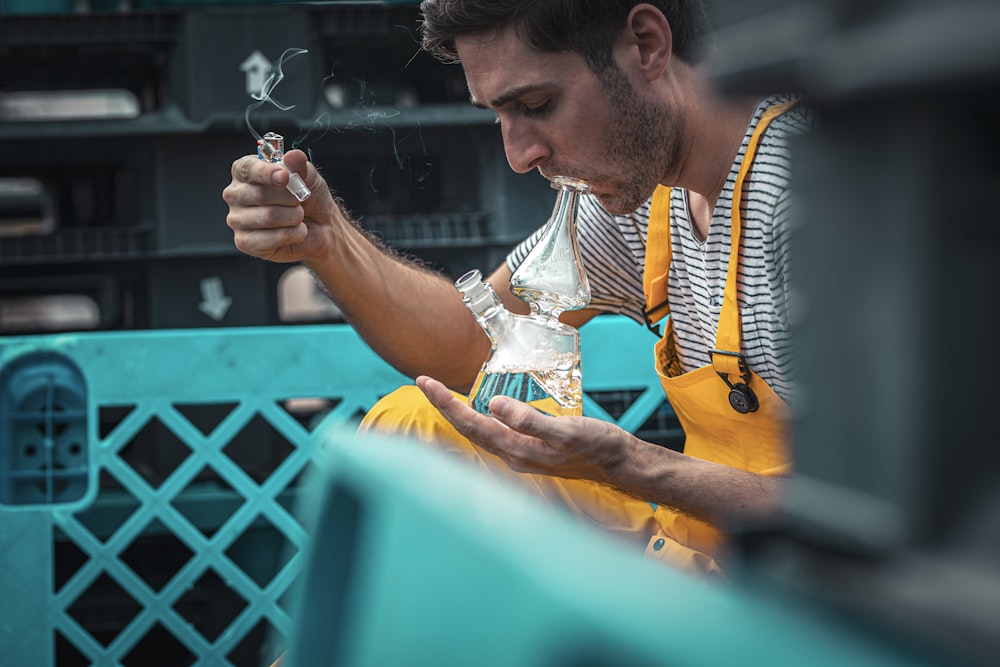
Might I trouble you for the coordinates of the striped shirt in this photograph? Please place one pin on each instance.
(614, 254)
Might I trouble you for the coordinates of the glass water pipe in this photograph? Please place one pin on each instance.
(535, 358)
(551, 279)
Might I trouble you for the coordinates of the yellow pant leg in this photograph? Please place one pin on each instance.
(407, 412)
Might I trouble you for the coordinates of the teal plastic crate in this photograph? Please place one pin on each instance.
(452, 570)
(148, 479)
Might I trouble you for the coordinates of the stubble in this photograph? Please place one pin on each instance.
(641, 148)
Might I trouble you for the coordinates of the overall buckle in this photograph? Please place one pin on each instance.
(741, 396)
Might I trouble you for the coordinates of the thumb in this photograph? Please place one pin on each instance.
(298, 161)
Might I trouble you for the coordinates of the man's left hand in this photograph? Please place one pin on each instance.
(533, 442)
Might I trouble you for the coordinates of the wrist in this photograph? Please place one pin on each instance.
(337, 246)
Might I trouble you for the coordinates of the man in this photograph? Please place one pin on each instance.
(614, 93)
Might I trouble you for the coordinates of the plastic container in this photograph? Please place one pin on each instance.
(176, 540)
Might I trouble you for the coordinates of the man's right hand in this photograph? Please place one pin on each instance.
(268, 222)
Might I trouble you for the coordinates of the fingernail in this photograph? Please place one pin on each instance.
(498, 406)
(276, 178)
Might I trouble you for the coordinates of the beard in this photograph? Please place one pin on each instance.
(641, 146)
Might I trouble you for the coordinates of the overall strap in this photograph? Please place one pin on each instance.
(728, 357)
(656, 272)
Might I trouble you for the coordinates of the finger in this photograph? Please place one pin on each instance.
(521, 417)
(240, 195)
(473, 425)
(267, 243)
(438, 394)
(298, 162)
(251, 169)
(262, 215)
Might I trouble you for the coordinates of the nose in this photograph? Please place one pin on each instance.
(525, 148)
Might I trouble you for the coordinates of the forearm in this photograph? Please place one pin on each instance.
(587, 448)
(707, 491)
(411, 316)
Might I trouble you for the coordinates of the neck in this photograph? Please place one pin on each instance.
(716, 127)
(717, 131)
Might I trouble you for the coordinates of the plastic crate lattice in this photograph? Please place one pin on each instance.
(179, 544)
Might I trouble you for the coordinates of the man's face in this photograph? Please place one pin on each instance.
(561, 118)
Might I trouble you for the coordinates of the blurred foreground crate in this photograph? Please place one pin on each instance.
(147, 480)
(454, 571)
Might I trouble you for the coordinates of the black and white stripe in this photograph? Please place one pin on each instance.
(614, 253)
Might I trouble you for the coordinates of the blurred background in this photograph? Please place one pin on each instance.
(125, 116)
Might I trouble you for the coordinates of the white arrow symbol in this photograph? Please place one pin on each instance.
(214, 301)
(257, 68)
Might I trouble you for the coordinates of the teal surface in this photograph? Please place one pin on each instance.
(449, 569)
(155, 376)
(61, 554)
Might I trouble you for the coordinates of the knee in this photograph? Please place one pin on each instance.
(405, 410)
(395, 406)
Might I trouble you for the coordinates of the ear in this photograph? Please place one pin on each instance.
(648, 36)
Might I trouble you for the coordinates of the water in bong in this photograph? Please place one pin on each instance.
(555, 391)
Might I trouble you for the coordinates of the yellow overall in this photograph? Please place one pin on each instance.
(713, 429)
(757, 441)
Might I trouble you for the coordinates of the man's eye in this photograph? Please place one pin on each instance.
(536, 110)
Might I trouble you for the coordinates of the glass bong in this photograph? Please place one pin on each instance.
(535, 358)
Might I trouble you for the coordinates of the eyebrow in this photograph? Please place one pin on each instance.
(509, 96)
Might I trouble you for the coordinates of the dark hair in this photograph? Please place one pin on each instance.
(587, 27)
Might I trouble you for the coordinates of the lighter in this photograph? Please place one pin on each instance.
(272, 149)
